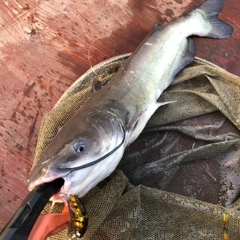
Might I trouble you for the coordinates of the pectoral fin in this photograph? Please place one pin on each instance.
(135, 123)
(150, 110)
(141, 119)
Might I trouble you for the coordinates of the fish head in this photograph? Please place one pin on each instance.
(86, 150)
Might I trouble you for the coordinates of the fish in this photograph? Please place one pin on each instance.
(88, 148)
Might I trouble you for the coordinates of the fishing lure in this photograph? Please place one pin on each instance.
(78, 215)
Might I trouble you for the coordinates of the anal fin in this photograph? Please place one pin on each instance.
(189, 53)
(187, 56)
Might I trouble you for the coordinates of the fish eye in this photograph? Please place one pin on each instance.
(78, 147)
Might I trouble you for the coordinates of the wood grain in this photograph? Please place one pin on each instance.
(46, 45)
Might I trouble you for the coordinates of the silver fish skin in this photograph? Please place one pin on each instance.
(89, 147)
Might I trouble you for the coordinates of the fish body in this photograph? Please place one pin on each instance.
(89, 147)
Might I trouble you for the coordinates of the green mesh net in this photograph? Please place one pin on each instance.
(174, 177)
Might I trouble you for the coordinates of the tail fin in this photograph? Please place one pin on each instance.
(211, 10)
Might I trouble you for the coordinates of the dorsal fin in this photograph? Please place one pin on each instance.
(96, 84)
(158, 25)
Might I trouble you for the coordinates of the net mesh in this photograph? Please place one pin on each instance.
(172, 179)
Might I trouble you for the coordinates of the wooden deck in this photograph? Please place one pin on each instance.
(46, 45)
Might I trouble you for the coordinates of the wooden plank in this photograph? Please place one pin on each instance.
(46, 45)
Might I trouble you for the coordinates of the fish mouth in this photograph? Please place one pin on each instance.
(60, 195)
(34, 181)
